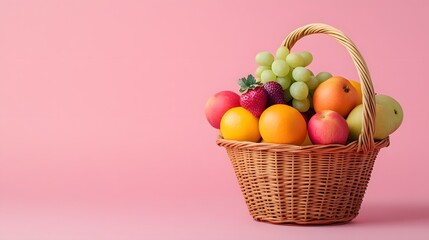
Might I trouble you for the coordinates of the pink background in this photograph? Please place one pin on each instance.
(102, 126)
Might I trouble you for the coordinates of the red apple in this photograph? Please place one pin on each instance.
(218, 104)
(328, 127)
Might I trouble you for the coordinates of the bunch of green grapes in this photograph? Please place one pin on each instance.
(290, 70)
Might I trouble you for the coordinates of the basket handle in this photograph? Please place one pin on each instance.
(366, 139)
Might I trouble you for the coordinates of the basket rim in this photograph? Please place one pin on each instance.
(314, 148)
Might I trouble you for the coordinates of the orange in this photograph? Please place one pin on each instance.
(336, 94)
(358, 88)
(281, 123)
(239, 124)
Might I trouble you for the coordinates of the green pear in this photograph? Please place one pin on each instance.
(354, 121)
(395, 110)
(388, 118)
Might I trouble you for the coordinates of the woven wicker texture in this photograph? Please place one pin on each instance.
(315, 184)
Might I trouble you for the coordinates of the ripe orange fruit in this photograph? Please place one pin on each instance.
(239, 124)
(358, 88)
(281, 123)
(336, 94)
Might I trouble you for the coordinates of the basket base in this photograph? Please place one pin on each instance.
(341, 216)
(307, 223)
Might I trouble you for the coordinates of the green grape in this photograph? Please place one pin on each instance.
(268, 75)
(289, 75)
(294, 60)
(284, 81)
(287, 96)
(282, 53)
(323, 76)
(260, 69)
(312, 83)
(301, 105)
(280, 67)
(301, 74)
(307, 58)
(264, 59)
(298, 90)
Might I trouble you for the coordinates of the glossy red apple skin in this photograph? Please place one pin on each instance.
(328, 127)
(218, 104)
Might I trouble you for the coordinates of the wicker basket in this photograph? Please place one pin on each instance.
(316, 184)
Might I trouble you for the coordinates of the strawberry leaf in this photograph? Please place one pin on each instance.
(242, 82)
(247, 83)
(251, 79)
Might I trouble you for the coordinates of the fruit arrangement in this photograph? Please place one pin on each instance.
(303, 145)
(285, 103)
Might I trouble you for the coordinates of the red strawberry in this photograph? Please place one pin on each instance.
(253, 98)
(275, 93)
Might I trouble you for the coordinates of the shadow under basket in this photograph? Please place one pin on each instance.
(315, 184)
